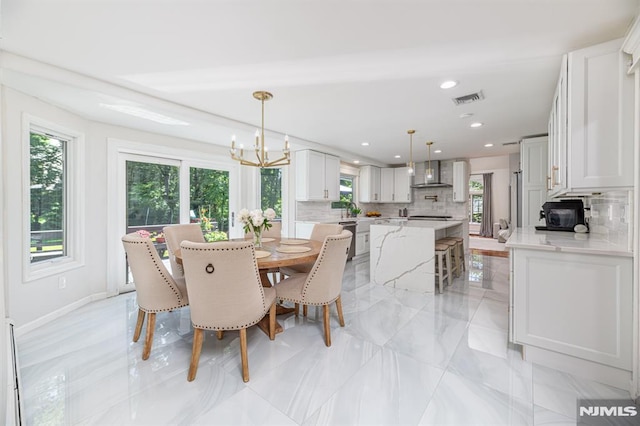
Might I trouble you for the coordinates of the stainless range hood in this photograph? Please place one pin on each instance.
(420, 179)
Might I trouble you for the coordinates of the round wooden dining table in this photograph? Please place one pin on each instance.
(276, 258)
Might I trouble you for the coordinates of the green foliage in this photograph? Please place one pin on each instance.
(47, 182)
(209, 190)
(271, 190)
(215, 236)
(153, 196)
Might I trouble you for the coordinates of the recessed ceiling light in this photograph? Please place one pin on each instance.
(396, 156)
(448, 84)
(477, 124)
(466, 115)
(356, 161)
(365, 144)
(488, 145)
(437, 151)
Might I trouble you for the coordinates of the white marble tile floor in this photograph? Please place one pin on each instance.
(403, 358)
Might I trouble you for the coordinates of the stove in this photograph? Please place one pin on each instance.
(429, 217)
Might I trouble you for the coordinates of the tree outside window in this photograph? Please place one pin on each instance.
(476, 190)
(271, 190)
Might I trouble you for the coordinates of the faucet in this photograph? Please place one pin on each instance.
(350, 207)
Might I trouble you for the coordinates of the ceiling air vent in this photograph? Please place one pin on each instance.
(467, 99)
(510, 143)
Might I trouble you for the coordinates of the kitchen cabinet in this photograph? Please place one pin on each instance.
(369, 184)
(395, 185)
(317, 176)
(460, 182)
(362, 243)
(578, 305)
(534, 165)
(591, 123)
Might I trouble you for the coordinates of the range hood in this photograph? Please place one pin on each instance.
(420, 179)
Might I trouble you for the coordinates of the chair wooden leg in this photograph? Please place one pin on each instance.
(272, 321)
(148, 339)
(339, 307)
(243, 354)
(195, 353)
(327, 329)
(296, 309)
(136, 334)
(219, 334)
(304, 310)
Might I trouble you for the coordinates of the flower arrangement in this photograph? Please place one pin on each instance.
(256, 221)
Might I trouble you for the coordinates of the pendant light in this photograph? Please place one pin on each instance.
(411, 165)
(429, 172)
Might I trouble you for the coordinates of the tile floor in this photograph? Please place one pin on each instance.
(403, 358)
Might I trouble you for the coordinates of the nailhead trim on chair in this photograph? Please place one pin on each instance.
(166, 280)
(304, 290)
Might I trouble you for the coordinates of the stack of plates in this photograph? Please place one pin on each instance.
(294, 242)
(292, 249)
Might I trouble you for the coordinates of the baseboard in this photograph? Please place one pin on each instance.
(30, 326)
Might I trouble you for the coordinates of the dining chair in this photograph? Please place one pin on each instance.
(156, 289)
(319, 233)
(322, 285)
(174, 235)
(274, 232)
(226, 293)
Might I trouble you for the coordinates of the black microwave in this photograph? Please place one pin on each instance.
(562, 215)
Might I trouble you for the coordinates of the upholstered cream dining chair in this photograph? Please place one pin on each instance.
(157, 290)
(174, 235)
(226, 293)
(319, 233)
(322, 285)
(274, 232)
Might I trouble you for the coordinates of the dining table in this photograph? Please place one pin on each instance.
(273, 254)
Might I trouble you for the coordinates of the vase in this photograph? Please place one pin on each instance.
(257, 237)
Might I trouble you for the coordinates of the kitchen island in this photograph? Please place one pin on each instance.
(402, 254)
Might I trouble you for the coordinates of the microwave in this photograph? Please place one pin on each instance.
(562, 215)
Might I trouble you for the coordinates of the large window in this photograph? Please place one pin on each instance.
(476, 189)
(346, 193)
(271, 190)
(48, 195)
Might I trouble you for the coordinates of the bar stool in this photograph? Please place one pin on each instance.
(452, 244)
(443, 255)
(460, 251)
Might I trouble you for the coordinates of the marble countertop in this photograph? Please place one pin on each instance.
(568, 242)
(435, 224)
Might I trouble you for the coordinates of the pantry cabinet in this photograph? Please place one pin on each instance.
(317, 176)
(369, 184)
(533, 161)
(460, 182)
(591, 123)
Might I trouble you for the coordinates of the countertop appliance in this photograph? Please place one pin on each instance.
(350, 226)
(562, 215)
(430, 217)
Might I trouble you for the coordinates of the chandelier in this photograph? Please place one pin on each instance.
(262, 152)
(429, 171)
(411, 165)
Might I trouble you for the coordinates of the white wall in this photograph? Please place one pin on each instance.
(499, 166)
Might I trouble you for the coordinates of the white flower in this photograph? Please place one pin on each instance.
(256, 218)
(270, 214)
(243, 216)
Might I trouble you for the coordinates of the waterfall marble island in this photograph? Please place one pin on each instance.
(403, 254)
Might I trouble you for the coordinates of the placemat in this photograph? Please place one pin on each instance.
(292, 249)
(261, 253)
(268, 239)
(294, 242)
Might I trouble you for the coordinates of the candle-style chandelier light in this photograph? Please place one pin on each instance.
(262, 154)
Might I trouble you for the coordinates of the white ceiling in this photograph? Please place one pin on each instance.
(342, 72)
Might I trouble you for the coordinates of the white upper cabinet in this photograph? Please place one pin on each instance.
(460, 182)
(395, 185)
(591, 124)
(317, 176)
(369, 184)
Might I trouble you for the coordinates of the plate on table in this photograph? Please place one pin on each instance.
(294, 242)
(268, 240)
(261, 253)
(292, 249)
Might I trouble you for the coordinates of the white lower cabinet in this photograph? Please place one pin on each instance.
(578, 305)
(362, 243)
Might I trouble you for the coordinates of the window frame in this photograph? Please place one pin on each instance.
(74, 220)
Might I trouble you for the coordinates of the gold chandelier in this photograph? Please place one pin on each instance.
(411, 165)
(262, 153)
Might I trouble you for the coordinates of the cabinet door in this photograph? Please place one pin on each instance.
(360, 245)
(460, 182)
(534, 163)
(600, 118)
(402, 185)
(369, 184)
(575, 304)
(332, 177)
(387, 185)
(557, 152)
(310, 176)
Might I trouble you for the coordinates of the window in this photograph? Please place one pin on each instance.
(47, 195)
(476, 190)
(346, 193)
(271, 190)
(53, 190)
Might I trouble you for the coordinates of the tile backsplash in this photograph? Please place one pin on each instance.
(611, 215)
